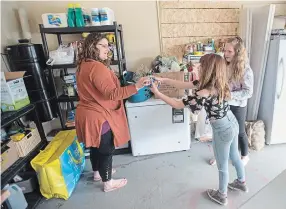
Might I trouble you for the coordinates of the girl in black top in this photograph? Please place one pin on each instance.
(212, 92)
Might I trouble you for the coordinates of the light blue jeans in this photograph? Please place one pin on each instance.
(225, 146)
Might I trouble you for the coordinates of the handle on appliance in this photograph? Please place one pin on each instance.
(283, 77)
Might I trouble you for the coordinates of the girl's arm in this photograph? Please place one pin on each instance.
(177, 104)
(181, 84)
(177, 84)
(194, 103)
(246, 90)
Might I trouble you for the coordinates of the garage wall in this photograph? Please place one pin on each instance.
(183, 22)
(139, 20)
(10, 26)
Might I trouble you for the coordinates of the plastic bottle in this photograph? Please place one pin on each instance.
(111, 40)
(213, 44)
(79, 22)
(86, 17)
(17, 198)
(95, 21)
(106, 16)
(71, 15)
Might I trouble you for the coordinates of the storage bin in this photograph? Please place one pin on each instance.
(29, 183)
(141, 96)
(16, 200)
(28, 143)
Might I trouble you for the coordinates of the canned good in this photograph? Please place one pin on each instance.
(199, 46)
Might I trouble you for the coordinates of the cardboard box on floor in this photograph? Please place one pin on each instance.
(9, 156)
(169, 90)
(14, 94)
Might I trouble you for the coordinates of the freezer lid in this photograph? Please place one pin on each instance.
(149, 102)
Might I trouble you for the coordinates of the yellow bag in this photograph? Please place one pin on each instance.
(60, 165)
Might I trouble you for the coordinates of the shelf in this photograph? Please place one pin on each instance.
(68, 128)
(65, 66)
(33, 199)
(12, 171)
(78, 30)
(66, 98)
(122, 151)
(9, 117)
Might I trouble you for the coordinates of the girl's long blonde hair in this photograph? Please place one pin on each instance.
(213, 76)
(237, 65)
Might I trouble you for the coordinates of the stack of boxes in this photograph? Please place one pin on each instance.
(70, 87)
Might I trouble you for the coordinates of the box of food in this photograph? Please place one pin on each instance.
(9, 156)
(28, 143)
(14, 94)
(170, 90)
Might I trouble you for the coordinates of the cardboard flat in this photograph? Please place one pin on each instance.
(9, 157)
(169, 90)
(13, 75)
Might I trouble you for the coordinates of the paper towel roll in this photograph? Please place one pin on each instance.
(106, 16)
(24, 23)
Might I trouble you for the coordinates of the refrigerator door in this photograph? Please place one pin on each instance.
(245, 25)
(268, 97)
(262, 20)
(279, 117)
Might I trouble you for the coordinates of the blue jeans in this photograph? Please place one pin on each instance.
(225, 145)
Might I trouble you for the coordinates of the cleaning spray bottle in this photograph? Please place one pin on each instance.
(71, 15)
(79, 21)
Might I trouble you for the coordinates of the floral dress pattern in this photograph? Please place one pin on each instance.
(214, 109)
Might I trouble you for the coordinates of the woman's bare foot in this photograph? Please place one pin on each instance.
(97, 177)
(212, 161)
(114, 184)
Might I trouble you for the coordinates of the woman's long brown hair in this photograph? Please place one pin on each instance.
(213, 76)
(88, 50)
(237, 65)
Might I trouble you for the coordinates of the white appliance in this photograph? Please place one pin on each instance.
(156, 127)
(245, 28)
(262, 20)
(273, 97)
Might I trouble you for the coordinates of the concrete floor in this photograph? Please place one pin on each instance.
(179, 180)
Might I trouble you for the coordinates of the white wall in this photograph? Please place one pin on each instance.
(139, 20)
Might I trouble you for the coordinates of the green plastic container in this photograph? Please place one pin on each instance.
(79, 21)
(71, 15)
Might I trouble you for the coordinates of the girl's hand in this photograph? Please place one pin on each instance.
(162, 80)
(154, 87)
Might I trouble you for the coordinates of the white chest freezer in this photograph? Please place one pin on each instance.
(156, 127)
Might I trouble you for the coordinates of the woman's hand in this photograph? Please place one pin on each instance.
(144, 81)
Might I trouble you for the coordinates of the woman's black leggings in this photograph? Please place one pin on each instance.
(101, 158)
(240, 114)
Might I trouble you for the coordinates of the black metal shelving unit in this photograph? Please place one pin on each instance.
(6, 119)
(120, 62)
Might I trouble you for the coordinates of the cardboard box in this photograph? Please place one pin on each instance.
(9, 156)
(169, 90)
(14, 94)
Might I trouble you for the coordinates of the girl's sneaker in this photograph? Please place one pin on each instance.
(218, 197)
(238, 186)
